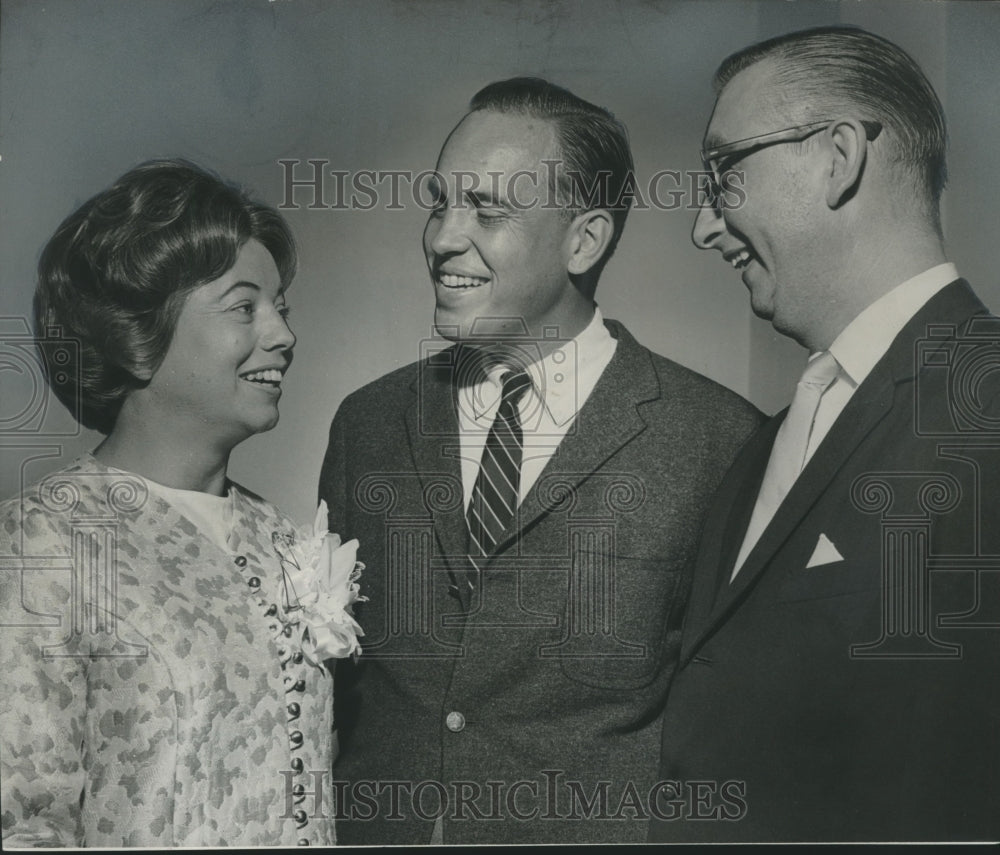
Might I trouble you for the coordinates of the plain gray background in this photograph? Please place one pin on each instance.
(89, 88)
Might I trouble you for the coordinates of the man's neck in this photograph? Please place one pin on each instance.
(867, 275)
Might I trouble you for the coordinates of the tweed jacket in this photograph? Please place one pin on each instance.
(537, 717)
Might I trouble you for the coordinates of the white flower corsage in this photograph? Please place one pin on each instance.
(320, 587)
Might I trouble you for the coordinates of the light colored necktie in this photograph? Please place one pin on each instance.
(789, 452)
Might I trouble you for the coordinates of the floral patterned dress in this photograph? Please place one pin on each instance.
(153, 690)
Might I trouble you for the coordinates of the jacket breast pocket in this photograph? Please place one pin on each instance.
(832, 580)
(621, 620)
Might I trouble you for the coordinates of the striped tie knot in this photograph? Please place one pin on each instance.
(514, 387)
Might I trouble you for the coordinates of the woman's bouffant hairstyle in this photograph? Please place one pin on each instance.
(113, 278)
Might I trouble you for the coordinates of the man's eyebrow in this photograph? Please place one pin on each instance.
(485, 199)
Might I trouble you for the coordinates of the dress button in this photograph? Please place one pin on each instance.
(253, 582)
(293, 710)
(272, 610)
(297, 657)
(455, 722)
(299, 790)
(303, 841)
(297, 765)
(240, 560)
(301, 820)
(295, 737)
(287, 631)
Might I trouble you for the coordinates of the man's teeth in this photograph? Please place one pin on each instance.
(741, 259)
(451, 280)
(271, 375)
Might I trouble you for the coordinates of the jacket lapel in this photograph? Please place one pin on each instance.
(432, 429)
(869, 405)
(607, 421)
(725, 524)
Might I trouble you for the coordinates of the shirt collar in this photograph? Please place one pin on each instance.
(865, 340)
(553, 378)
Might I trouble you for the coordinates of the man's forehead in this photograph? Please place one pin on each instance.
(495, 140)
(747, 106)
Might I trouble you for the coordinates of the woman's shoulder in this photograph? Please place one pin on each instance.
(47, 506)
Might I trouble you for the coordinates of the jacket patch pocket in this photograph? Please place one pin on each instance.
(617, 616)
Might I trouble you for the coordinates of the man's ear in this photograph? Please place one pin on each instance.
(849, 146)
(588, 239)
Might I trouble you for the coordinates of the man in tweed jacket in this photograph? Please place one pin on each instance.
(528, 710)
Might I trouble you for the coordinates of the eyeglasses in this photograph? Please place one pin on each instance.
(717, 161)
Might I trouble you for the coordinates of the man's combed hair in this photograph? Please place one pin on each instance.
(113, 278)
(832, 69)
(596, 169)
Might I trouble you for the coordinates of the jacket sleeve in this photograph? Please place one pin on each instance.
(333, 475)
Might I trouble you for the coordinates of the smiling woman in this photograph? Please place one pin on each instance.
(164, 671)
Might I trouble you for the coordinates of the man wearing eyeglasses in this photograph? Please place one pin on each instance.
(841, 651)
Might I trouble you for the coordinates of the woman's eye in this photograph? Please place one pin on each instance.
(245, 308)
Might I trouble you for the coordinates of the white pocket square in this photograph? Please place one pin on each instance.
(824, 553)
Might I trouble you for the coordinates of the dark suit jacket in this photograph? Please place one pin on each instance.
(858, 699)
(525, 717)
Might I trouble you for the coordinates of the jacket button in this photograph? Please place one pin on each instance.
(455, 722)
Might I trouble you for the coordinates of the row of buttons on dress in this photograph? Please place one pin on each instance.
(293, 708)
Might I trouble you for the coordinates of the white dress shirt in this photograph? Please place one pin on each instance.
(865, 340)
(561, 382)
(860, 345)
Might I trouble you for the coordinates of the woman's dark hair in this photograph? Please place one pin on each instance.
(113, 278)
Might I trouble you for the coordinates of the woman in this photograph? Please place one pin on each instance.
(164, 686)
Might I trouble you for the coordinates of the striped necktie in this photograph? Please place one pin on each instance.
(495, 494)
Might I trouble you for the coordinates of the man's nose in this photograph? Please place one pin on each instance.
(446, 230)
(708, 226)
